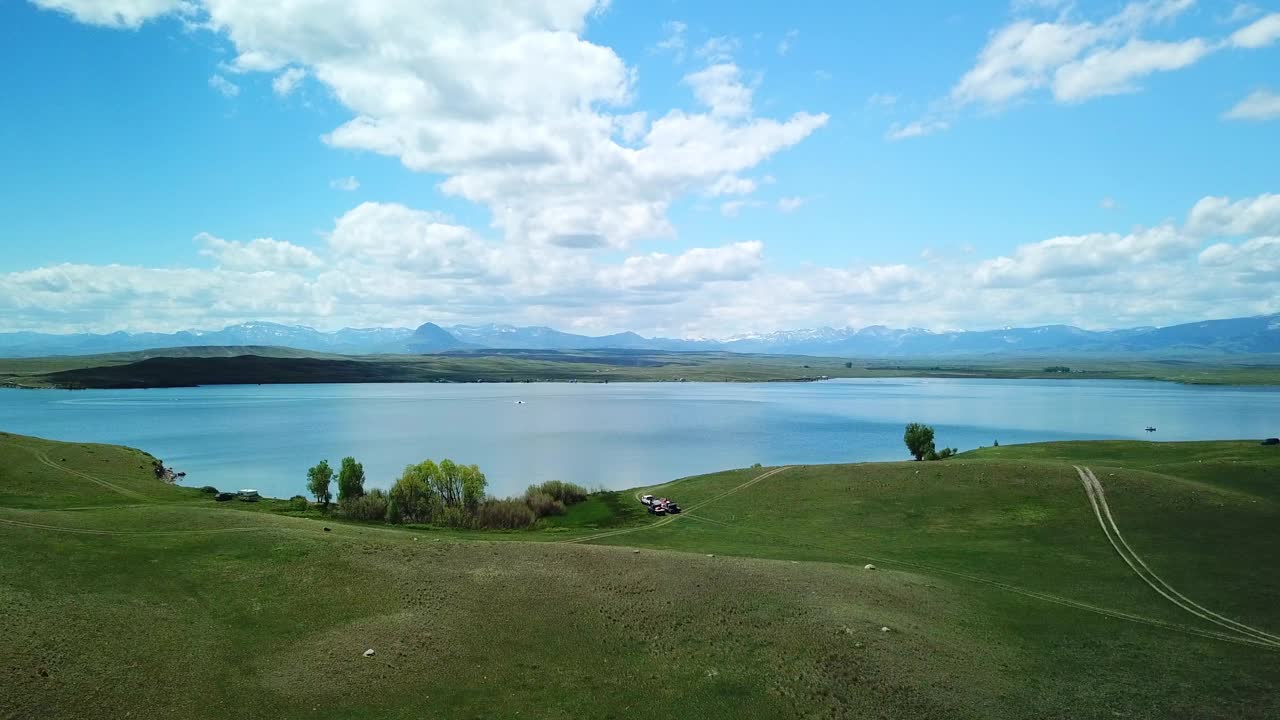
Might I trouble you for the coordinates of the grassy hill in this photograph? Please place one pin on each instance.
(1003, 599)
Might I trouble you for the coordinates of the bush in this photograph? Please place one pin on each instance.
(455, 517)
(942, 455)
(756, 466)
(297, 502)
(542, 504)
(209, 489)
(504, 515)
(567, 493)
(373, 505)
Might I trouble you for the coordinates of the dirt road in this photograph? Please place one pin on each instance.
(1098, 500)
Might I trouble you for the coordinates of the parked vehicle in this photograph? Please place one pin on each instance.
(224, 496)
(672, 507)
(646, 500)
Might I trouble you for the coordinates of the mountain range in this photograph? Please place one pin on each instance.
(1235, 336)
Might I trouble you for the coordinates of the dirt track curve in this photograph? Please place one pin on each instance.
(1098, 500)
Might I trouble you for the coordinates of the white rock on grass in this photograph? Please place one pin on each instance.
(868, 566)
(884, 629)
(369, 653)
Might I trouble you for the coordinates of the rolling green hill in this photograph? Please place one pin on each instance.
(1001, 594)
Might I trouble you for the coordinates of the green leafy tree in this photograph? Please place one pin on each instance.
(473, 486)
(448, 483)
(412, 497)
(350, 479)
(318, 479)
(919, 440)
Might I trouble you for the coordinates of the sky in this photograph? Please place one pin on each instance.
(671, 167)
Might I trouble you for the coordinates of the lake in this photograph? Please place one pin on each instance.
(616, 435)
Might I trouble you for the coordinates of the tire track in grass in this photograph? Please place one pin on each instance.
(91, 531)
(1234, 637)
(44, 459)
(1033, 594)
(1098, 501)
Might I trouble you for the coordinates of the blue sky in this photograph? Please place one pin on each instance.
(676, 168)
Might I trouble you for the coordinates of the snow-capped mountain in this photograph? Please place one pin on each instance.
(1259, 334)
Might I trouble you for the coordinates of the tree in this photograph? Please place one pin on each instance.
(919, 440)
(412, 498)
(350, 479)
(473, 485)
(318, 479)
(448, 483)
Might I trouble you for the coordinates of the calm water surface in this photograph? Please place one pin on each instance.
(616, 435)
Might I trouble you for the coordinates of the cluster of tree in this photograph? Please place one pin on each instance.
(1057, 369)
(443, 493)
(919, 440)
(350, 481)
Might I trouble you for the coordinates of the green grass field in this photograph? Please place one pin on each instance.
(126, 597)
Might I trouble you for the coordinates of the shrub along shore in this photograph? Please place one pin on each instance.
(446, 494)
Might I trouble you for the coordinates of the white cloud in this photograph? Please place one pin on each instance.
(882, 100)
(720, 88)
(1114, 71)
(1083, 255)
(1020, 57)
(791, 204)
(1242, 12)
(784, 45)
(919, 128)
(1259, 105)
(731, 208)
(732, 185)
(718, 49)
(393, 235)
(1219, 217)
(224, 86)
(346, 184)
(692, 268)
(255, 255)
(1108, 203)
(1253, 261)
(673, 41)
(1260, 33)
(388, 264)
(115, 13)
(515, 108)
(287, 81)
(1078, 58)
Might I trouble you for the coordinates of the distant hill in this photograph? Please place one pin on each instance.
(1258, 335)
(431, 338)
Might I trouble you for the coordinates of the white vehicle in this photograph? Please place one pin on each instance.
(646, 500)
